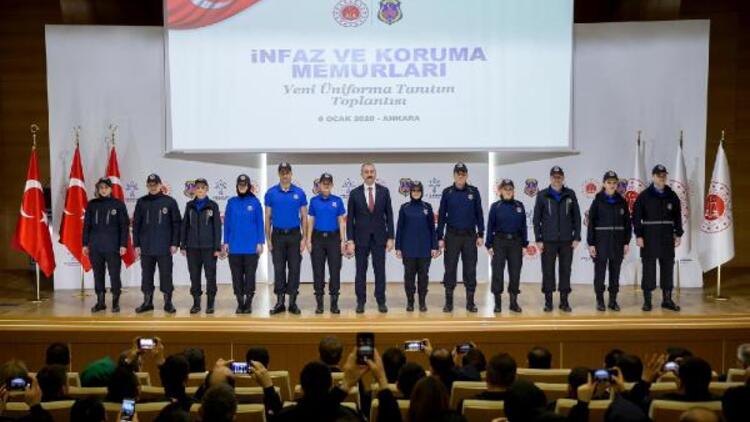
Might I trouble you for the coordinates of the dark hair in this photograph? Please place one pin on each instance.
(57, 354)
(174, 375)
(734, 404)
(196, 358)
(576, 378)
(523, 400)
(476, 358)
(695, 376)
(330, 350)
(428, 400)
(52, 379)
(315, 380)
(441, 362)
(631, 367)
(408, 376)
(123, 385)
(393, 359)
(501, 371)
(674, 353)
(89, 409)
(539, 358)
(173, 412)
(611, 358)
(258, 354)
(219, 404)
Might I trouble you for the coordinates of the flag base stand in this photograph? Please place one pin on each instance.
(82, 293)
(38, 298)
(718, 297)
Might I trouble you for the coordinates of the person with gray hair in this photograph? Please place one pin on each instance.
(743, 355)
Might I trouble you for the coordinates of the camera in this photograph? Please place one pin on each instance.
(365, 347)
(146, 343)
(414, 345)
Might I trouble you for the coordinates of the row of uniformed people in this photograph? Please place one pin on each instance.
(290, 228)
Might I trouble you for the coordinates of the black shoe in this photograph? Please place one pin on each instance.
(410, 303)
(147, 305)
(514, 303)
(564, 305)
(600, 302)
(168, 306)
(360, 308)
(548, 302)
(470, 306)
(240, 304)
(248, 304)
(293, 309)
(335, 304)
(613, 302)
(422, 303)
(279, 307)
(382, 308)
(667, 302)
(100, 305)
(319, 304)
(210, 303)
(196, 304)
(498, 304)
(448, 302)
(646, 301)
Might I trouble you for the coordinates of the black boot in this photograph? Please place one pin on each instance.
(196, 304)
(210, 303)
(147, 305)
(646, 301)
(100, 305)
(116, 302)
(667, 302)
(318, 304)
(293, 309)
(470, 306)
(410, 302)
(564, 305)
(335, 304)
(168, 306)
(240, 304)
(514, 303)
(448, 301)
(548, 302)
(422, 302)
(600, 302)
(613, 302)
(498, 303)
(279, 307)
(248, 304)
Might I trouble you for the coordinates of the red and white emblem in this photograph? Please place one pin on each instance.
(350, 13)
(717, 213)
(590, 188)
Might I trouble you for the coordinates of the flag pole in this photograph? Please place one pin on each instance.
(678, 258)
(113, 130)
(34, 129)
(82, 293)
(719, 297)
(635, 266)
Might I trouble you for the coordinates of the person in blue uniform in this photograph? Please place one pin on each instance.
(416, 244)
(460, 231)
(657, 222)
(156, 237)
(608, 237)
(557, 229)
(200, 241)
(286, 220)
(105, 239)
(326, 241)
(506, 237)
(243, 242)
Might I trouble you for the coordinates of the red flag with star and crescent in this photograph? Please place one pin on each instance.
(113, 174)
(71, 226)
(189, 14)
(32, 229)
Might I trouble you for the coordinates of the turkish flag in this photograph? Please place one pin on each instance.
(32, 231)
(71, 226)
(190, 14)
(113, 174)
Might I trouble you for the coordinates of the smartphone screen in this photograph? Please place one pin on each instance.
(671, 366)
(146, 343)
(413, 346)
(601, 375)
(128, 410)
(365, 347)
(17, 384)
(464, 347)
(238, 368)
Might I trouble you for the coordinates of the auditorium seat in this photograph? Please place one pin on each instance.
(245, 412)
(147, 412)
(280, 379)
(553, 391)
(719, 388)
(60, 410)
(403, 406)
(74, 380)
(669, 411)
(374, 387)
(737, 375)
(83, 392)
(196, 379)
(670, 377)
(597, 408)
(352, 397)
(482, 410)
(658, 389)
(252, 395)
(144, 378)
(463, 390)
(551, 376)
(151, 393)
(112, 410)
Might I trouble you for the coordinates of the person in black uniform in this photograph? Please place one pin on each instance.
(507, 235)
(105, 239)
(326, 240)
(657, 220)
(557, 229)
(416, 244)
(608, 236)
(156, 237)
(460, 231)
(200, 240)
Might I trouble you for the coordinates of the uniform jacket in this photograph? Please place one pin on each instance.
(507, 217)
(460, 209)
(557, 221)
(156, 224)
(243, 225)
(106, 225)
(415, 231)
(657, 218)
(609, 226)
(201, 230)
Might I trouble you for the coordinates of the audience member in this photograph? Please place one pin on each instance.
(58, 354)
(88, 410)
(611, 358)
(98, 373)
(258, 354)
(196, 358)
(174, 374)
(53, 381)
(123, 385)
(539, 358)
(408, 377)
(32, 396)
(577, 377)
(331, 350)
(219, 404)
(393, 359)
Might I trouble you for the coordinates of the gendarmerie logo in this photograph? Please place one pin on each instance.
(531, 187)
(389, 11)
(404, 186)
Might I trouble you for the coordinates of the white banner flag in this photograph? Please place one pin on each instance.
(679, 184)
(636, 184)
(717, 229)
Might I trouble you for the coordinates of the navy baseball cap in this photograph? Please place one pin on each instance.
(610, 175)
(153, 178)
(201, 181)
(460, 168)
(556, 170)
(659, 169)
(243, 179)
(104, 180)
(284, 166)
(506, 182)
(326, 177)
(416, 185)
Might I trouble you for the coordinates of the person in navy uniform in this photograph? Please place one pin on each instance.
(156, 237)
(369, 229)
(105, 239)
(200, 241)
(243, 241)
(460, 231)
(326, 241)
(286, 220)
(507, 235)
(657, 222)
(557, 229)
(608, 237)
(416, 244)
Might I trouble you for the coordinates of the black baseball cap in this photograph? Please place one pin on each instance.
(610, 175)
(284, 166)
(658, 169)
(243, 179)
(104, 180)
(416, 185)
(556, 170)
(506, 182)
(201, 180)
(153, 178)
(326, 177)
(460, 168)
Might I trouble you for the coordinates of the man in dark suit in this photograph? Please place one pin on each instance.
(369, 229)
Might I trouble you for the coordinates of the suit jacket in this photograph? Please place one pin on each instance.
(361, 223)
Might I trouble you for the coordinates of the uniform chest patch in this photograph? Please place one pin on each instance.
(210, 213)
(295, 196)
(425, 212)
(164, 210)
(470, 197)
(335, 205)
(249, 207)
(622, 211)
(669, 206)
(519, 210)
(113, 212)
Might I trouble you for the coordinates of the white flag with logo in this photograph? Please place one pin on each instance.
(717, 229)
(679, 184)
(636, 184)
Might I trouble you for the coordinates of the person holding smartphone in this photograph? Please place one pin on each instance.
(32, 396)
(416, 244)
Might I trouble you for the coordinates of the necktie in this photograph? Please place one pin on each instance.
(370, 200)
